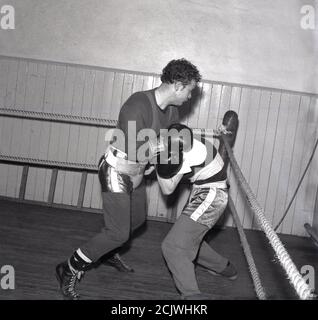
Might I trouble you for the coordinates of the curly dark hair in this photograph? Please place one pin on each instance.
(180, 70)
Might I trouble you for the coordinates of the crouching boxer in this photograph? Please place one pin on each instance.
(184, 245)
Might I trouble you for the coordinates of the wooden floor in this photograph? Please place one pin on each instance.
(33, 239)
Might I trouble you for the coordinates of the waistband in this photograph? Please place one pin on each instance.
(219, 184)
(118, 160)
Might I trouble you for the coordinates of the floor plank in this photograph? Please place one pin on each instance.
(33, 239)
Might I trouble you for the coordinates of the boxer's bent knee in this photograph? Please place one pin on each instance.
(120, 236)
(169, 249)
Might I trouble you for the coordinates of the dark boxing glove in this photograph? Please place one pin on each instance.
(229, 126)
(178, 139)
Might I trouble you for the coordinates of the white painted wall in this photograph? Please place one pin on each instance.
(252, 42)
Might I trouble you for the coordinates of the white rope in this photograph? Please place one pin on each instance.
(35, 115)
(51, 163)
(299, 284)
(248, 254)
(72, 119)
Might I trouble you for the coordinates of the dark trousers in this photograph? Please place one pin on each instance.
(184, 243)
(123, 213)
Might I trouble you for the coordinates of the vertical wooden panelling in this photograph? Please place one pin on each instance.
(65, 178)
(276, 135)
(12, 188)
(33, 102)
(313, 170)
(54, 101)
(41, 137)
(235, 103)
(266, 161)
(4, 128)
(87, 148)
(116, 95)
(47, 106)
(97, 109)
(92, 192)
(3, 81)
(148, 82)
(286, 159)
(17, 132)
(203, 115)
(62, 193)
(225, 101)
(239, 145)
(305, 197)
(277, 155)
(297, 161)
(156, 82)
(11, 87)
(152, 190)
(73, 179)
(249, 148)
(109, 77)
(261, 126)
(214, 105)
(193, 116)
(138, 83)
(127, 87)
(163, 210)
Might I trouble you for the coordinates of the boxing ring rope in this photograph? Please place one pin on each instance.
(248, 254)
(302, 289)
(48, 163)
(299, 284)
(71, 119)
(56, 117)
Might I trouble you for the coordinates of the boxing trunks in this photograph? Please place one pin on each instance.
(117, 174)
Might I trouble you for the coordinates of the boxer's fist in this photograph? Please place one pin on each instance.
(179, 138)
(230, 126)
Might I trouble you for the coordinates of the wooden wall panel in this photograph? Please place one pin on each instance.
(243, 114)
(34, 101)
(286, 160)
(277, 156)
(247, 157)
(235, 103)
(32, 129)
(13, 173)
(268, 149)
(203, 116)
(17, 132)
(88, 135)
(225, 101)
(214, 105)
(305, 201)
(276, 135)
(258, 148)
(98, 135)
(65, 178)
(4, 71)
(297, 159)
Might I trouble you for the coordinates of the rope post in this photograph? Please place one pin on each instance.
(52, 186)
(82, 190)
(23, 183)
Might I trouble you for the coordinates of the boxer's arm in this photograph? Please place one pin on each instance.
(167, 186)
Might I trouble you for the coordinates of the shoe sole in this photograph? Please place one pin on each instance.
(232, 278)
(120, 269)
(59, 280)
